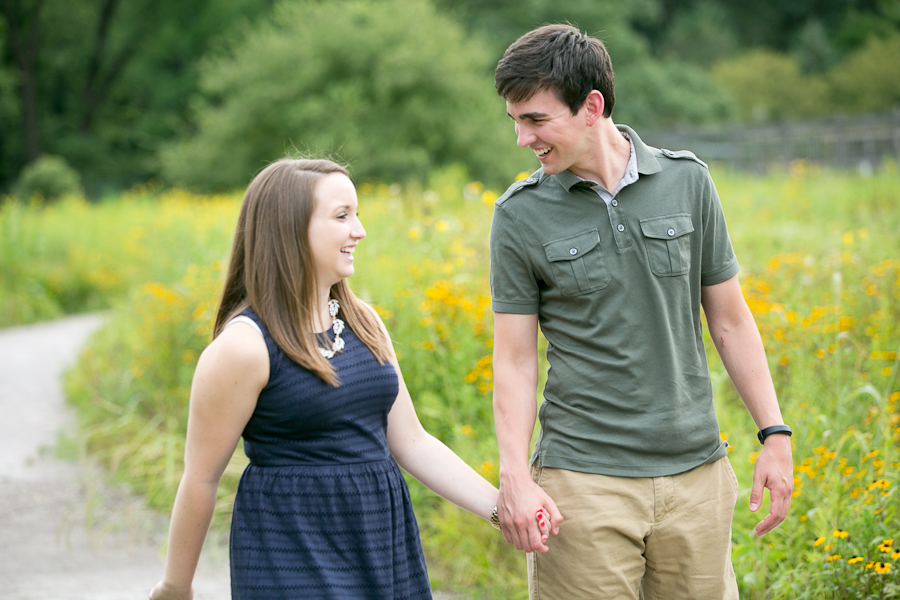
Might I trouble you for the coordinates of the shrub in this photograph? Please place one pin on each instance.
(49, 177)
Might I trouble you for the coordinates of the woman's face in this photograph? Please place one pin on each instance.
(334, 229)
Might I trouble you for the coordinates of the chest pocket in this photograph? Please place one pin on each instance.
(668, 244)
(577, 263)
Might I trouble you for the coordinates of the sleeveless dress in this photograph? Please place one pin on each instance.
(322, 510)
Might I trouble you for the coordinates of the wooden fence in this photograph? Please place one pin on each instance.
(861, 142)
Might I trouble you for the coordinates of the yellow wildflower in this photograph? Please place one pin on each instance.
(833, 557)
(840, 533)
(879, 483)
(882, 568)
(819, 542)
(855, 560)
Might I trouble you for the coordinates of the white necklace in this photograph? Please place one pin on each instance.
(337, 327)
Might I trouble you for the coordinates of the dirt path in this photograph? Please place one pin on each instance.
(65, 532)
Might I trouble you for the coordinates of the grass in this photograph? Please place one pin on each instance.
(820, 260)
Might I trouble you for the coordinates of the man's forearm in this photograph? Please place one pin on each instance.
(744, 357)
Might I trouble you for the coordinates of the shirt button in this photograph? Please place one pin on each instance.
(615, 202)
(573, 251)
(621, 227)
(671, 232)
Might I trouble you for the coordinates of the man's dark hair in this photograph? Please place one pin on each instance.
(558, 58)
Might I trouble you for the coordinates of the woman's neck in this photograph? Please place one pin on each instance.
(322, 319)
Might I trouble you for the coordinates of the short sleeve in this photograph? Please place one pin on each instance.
(718, 262)
(514, 288)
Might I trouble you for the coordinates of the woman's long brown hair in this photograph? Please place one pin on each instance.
(272, 269)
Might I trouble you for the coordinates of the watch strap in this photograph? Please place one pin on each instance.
(766, 432)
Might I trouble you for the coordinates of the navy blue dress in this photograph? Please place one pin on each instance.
(322, 510)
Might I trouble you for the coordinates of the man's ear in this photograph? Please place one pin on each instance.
(593, 107)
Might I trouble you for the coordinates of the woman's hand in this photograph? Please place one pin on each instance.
(164, 591)
(543, 521)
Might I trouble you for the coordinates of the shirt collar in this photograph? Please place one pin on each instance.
(646, 163)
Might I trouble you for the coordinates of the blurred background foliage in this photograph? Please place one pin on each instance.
(203, 93)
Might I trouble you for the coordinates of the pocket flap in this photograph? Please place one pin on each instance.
(572, 247)
(667, 228)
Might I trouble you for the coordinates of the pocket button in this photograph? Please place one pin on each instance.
(573, 251)
(671, 232)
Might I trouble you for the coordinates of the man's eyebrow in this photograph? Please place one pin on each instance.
(531, 116)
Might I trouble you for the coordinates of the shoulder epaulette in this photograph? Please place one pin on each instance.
(683, 154)
(529, 181)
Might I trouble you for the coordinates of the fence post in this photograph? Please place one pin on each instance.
(787, 142)
(841, 141)
(895, 128)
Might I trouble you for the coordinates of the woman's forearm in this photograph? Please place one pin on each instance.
(436, 466)
(191, 517)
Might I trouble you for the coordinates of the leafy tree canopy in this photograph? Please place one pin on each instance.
(391, 86)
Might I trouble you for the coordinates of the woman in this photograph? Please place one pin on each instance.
(322, 511)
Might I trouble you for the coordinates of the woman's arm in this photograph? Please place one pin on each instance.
(230, 374)
(427, 459)
(431, 462)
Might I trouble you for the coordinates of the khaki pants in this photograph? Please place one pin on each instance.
(660, 538)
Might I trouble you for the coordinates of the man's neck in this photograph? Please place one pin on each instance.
(607, 159)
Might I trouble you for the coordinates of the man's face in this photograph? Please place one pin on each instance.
(547, 126)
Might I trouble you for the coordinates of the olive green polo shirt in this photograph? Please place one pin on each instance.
(617, 292)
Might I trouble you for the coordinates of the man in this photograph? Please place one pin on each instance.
(613, 246)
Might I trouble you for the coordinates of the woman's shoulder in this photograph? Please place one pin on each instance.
(239, 350)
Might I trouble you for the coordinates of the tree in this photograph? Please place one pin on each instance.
(23, 35)
(770, 85)
(391, 86)
(107, 80)
(869, 78)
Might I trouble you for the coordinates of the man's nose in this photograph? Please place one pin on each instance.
(524, 137)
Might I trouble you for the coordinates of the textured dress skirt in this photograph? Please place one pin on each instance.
(322, 510)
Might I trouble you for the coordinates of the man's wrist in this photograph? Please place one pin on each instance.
(515, 473)
(765, 432)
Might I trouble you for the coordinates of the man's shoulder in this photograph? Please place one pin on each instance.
(532, 182)
(678, 155)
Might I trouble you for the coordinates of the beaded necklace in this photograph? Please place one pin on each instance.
(337, 327)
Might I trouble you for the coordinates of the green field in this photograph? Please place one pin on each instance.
(820, 256)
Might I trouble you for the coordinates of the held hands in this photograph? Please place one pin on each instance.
(164, 591)
(515, 509)
(774, 470)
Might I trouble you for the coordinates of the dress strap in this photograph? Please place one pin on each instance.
(244, 319)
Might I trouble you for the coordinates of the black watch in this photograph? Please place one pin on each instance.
(764, 433)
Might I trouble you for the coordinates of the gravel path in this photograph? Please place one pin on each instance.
(66, 533)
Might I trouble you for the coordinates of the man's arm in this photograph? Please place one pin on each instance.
(515, 409)
(738, 342)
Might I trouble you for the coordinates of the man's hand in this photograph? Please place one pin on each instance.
(774, 470)
(517, 506)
